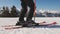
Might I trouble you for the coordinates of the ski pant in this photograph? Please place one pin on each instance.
(25, 4)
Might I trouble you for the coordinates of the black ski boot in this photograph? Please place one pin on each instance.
(20, 23)
(30, 23)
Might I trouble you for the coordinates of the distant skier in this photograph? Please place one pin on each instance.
(25, 4)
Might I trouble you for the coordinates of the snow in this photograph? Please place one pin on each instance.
(49, 11)
(12, 21)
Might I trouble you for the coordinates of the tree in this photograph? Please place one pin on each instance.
(13, 12)
(5, 12)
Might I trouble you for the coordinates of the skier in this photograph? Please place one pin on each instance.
(25, 4)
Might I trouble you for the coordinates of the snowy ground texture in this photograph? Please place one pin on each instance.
(12, 21)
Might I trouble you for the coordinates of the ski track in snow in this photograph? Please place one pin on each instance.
(12, 21)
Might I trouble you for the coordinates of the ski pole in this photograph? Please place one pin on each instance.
(34, 9)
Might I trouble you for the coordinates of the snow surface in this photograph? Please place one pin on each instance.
(12, 21)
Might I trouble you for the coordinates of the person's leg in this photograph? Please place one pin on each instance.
(31, 11)
(29, 20)
(22, 13)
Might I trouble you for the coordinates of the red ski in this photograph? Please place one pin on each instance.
(8, 27)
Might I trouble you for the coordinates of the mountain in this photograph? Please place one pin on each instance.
(41, 13)
(47, 13)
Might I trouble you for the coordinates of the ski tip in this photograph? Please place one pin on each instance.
(43, 22)
(54, 23)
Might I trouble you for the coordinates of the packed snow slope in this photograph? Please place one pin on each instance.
(13, 21)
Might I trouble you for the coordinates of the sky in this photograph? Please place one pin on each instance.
(48, 4)
(10, 3)
(40, 4)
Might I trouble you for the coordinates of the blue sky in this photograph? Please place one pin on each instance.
(10, 3)
(48, 4)
(40, 4)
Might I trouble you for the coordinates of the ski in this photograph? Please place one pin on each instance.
(8, 27)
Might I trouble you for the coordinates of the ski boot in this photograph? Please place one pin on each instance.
(20, 23)
(30, 23)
